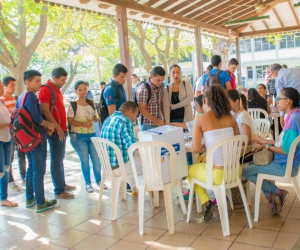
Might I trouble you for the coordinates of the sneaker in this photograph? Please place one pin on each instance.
(64, 195)
(89, 188)
(69, 187)
(30, 203)
(23, 182)
(46, 206)
(229, 209)
(275, 203)
(14, 187)
(208, 215)
(283, 195)
(104, 186)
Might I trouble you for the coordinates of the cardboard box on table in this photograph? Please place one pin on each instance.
(175, 137)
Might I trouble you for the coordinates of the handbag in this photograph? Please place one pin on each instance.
(263, 157)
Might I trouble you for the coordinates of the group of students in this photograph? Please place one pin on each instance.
(224, 113)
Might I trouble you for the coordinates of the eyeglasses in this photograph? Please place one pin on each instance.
(281, 98)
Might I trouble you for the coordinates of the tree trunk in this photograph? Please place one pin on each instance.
(18, 74)
(98, 63)
(73, 72)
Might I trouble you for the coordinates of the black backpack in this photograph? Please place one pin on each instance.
(149, 95)
(103, 110)
(211, 79)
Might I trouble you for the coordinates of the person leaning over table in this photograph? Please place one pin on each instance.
(216, 124)
(177, 98)
(288, 102)
(255, 100)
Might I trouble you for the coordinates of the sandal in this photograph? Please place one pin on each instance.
(7, 203)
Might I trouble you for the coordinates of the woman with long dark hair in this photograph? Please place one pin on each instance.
(255, 100)
(263, 92)
(288, 102)
(81, 115)
(216, 124)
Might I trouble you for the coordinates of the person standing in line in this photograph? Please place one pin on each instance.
(198, 84)
(81, 132)
(10, 102)
(223, 76)
(231, 69)
(177, 98)
(151, 113)
(35, 194)
(5, 152)
(110, 92)
(57, 141)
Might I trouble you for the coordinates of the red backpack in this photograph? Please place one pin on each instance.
(24, 131)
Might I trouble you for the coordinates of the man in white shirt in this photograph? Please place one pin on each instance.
(198, 84)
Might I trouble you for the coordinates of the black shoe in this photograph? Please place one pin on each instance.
(128, 188)
(275, 203)
(208, 215)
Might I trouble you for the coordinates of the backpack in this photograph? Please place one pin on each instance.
(53, 100)
(211, 79)
(148, 99)
(24, 131)
(74, 107)
(103, 110)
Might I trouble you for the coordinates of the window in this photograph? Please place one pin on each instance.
(250, 72)
(261, 71)
(233, 48)
(290, 41)
(245, 46)
(262, 44)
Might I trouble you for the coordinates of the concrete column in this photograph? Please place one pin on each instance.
(124, 47)
(199, 56)
(238, 57)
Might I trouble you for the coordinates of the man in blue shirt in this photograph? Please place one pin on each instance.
(216, 61)
(118, 129)
(36, 157)
(110, 92)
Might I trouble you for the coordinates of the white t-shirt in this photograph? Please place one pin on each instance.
(199, 84)
(4, 118)
(83, 113)
(244, 117)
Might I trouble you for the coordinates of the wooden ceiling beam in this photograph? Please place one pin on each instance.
(278, 18)
(224, 10)
(270, 31)
(151, 2)
(265, 24)
(180, 6)
(193, 8)
(167, 4)
(132, 6)
(293, 12)
(252, 28)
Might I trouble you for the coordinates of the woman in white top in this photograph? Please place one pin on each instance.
(81, 131)
(177, 98)
(238, 103)
(5, 152)
(215, 124)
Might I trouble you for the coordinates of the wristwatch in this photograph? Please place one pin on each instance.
(267, 146)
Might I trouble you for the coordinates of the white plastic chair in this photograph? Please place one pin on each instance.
(255, 113)
(232, 147)
(287, 178)
(262, 127)
(152, 179)
(116, 181)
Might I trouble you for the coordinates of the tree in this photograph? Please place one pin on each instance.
(22, 27)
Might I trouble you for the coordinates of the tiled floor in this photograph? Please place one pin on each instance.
(74, 224)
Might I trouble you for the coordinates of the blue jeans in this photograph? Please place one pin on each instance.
(5, 156)
(57, 154)
(273, 168)
(145, 127)
(35, 172)
(21, 162)
(85, 149)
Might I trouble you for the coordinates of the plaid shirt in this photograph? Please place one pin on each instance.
(153, 106)
(118, 129)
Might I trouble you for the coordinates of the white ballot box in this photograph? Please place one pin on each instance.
(175, 137)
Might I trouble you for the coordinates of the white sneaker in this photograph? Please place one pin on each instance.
(89, 188)
(14, 187)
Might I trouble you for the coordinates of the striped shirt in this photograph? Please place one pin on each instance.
(118, 129)
(10, 103)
